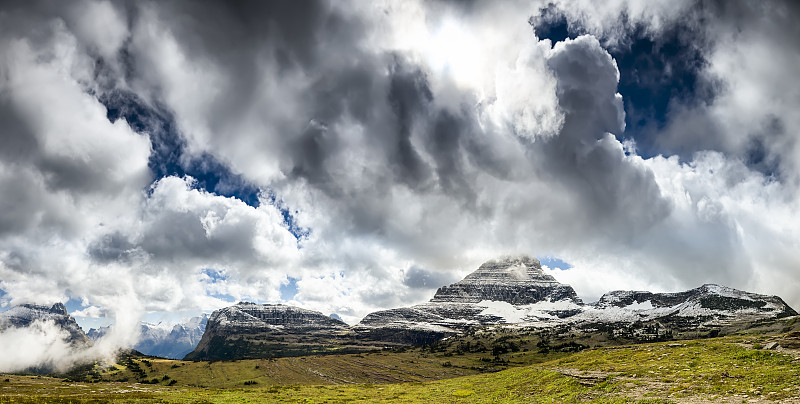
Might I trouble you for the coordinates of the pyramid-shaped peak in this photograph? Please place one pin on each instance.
(516, 269)
(516, 280)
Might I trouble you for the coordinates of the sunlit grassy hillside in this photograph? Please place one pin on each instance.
(731, 369)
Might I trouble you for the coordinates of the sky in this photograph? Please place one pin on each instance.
(159, 159)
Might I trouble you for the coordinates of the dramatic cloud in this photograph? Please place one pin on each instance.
(162, 156)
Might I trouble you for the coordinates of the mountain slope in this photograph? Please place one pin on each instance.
(248, 330)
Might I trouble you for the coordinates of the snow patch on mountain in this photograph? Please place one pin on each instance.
(645, 305)
(504, 310)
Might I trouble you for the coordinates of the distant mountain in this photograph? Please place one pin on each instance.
(26, 314)
(508, 292)
(171, 341)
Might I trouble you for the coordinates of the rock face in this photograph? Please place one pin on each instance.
(516, 280)
(488, 296)
(509, 292)
(250, 316)
(172, 341)
(707, 299)
(707, 307)
(26, 314)
(248, 330)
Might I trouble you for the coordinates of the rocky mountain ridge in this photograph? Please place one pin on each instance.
(516, 280)
(26, 315)
(247, 330)
(511, 293)
(508, 292)
(172, 341)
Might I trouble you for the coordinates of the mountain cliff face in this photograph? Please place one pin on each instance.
(517, 291)
(510, 292)
(488, 296)
(516, 280)
(707, 307)
(26, 314)
(171, 341)
(248, 330)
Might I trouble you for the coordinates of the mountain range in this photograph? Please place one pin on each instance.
(511, 293)
(172, 341)
(26, 315)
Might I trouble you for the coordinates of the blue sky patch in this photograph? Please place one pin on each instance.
(554, 263)
(655, 71)
(215, 275)
(289, 290)
(169, 156)
(169, 148)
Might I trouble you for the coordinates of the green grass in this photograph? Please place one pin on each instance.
(647, 373)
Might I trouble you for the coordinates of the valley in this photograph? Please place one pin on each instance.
(727, 369)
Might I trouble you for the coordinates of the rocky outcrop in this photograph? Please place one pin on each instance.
(246, 316)
(516, 280)
(490, 295)
(25, 315)
(248, 330)
(709, 307)
(707, 299)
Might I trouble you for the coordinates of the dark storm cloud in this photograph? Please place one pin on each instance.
(408, 97)
(411, 140)
(614, 191)
(111, 248)
(685, 96)
(238, 36)
(365, 153)
(16, 136)
(420, 278)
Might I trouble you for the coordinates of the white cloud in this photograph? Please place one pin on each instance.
(41, 344)
(91, 311)
(394, 166)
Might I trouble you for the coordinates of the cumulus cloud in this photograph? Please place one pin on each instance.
(42, 344)
(385, 162)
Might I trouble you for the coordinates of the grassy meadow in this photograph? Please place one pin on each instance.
(730, 369)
